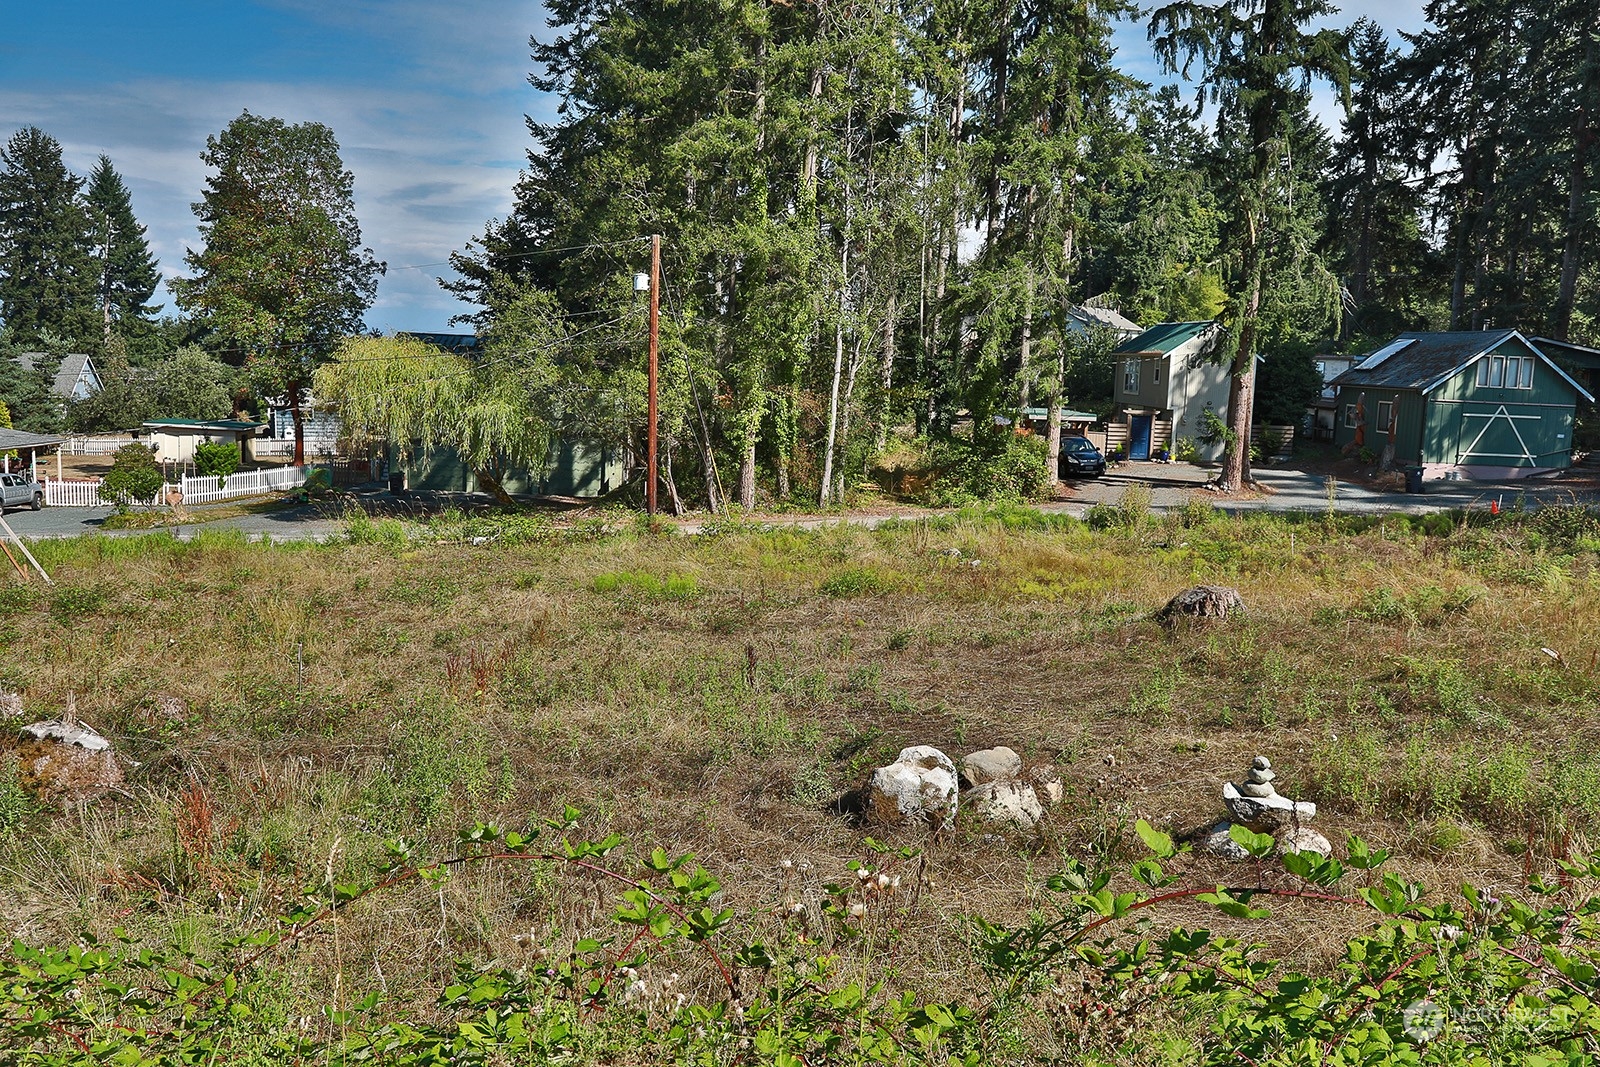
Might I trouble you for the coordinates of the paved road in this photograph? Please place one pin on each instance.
(1171, 486)
(297, 523)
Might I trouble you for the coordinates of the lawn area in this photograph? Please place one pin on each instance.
(1430, 683)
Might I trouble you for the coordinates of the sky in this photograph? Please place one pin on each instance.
(427, 100)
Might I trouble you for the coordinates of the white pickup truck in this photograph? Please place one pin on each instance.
(19, 489)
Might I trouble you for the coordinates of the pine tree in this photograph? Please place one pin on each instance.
(128, 275)
(1257, 59)
(47, 275)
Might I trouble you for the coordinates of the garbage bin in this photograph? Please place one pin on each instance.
(397, 481)
(1413, 479)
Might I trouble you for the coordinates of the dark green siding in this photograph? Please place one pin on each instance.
(1408, 427)
(1478, 425)
(577, 469)
(1460, 423)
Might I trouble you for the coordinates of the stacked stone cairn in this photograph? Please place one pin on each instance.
(1256, 804)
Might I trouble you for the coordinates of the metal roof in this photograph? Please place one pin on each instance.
(1067, 415)
(1578, 355)
(1163, 339)
(1431, 359)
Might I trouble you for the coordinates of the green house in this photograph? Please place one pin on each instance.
(1482, 405)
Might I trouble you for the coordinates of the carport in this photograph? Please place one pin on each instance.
(27, 444)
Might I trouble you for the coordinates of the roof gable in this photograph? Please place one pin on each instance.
(1428, 360)
(1163, 339)
(68, 372)
(1108, 318)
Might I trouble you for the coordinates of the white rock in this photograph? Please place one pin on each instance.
(1217, 842)
(919, 787)
(1303, 839)
(1047, 786)
(991, 765)
(1265, 815)
(1009, 802)
(65, 733)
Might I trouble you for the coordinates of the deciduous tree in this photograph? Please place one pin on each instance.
(282, 277)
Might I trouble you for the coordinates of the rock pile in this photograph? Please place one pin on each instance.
(1257, 805)
(922, 787)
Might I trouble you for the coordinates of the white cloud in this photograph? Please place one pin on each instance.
(431, 122)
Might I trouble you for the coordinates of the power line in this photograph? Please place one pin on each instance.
(535, 252)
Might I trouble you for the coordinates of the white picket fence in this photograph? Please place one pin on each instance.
(94, 446)
(204, 490)
(85, 492)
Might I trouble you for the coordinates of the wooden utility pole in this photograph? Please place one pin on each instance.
(655, 350)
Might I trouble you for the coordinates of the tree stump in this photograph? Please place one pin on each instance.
(1203, 603)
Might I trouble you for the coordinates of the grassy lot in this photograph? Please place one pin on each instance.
(292, 707)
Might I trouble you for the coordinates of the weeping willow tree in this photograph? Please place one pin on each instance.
(499, 412)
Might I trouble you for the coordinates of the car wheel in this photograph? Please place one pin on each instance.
(38, 501)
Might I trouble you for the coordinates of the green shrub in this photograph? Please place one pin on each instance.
(134, 476)
(216, 458)
(994, 467)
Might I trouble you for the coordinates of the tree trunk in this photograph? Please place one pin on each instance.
(747, 475)
(886, 372)
(674, 501)
(1025, 394)
(844, 418)
(293, 396)
(833, 406)
(1053, 420)
(491, 481)
(1242, 373)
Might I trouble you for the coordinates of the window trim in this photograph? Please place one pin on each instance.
(1515, 372)
(1350, 417)
(1130, 376)
(1383, 419)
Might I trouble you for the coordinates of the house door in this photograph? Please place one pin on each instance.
(1139, 437)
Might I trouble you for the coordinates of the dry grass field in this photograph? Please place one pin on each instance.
(290, 707)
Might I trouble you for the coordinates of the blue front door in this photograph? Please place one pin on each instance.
(1139, 437)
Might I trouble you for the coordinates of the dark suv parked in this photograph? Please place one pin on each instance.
(1079, 457)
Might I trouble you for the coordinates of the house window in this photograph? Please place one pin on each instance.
(1155, 375)
(1349, 416)
(1130, 376)
(1385, 413)
(1505, 372)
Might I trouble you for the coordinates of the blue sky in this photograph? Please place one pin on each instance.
(427, 100)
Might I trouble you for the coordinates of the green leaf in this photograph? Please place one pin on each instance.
(1154, 840)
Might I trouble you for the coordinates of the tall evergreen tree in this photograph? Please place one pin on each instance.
(1375, 226)
(128, 275)
(282, 278)
(1257, 58)
(47, 274)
